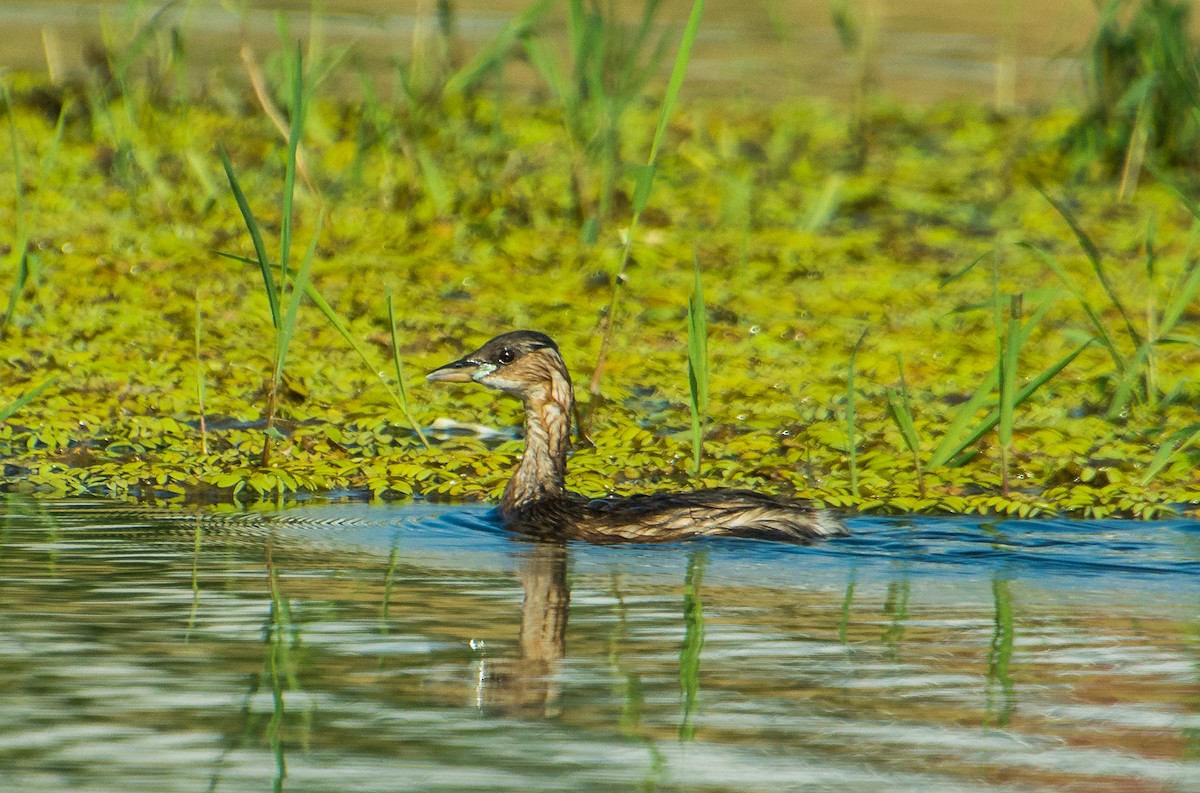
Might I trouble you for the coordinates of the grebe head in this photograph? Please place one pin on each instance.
(526, 364)
(518, 362)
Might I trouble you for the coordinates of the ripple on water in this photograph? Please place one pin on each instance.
(423, 649)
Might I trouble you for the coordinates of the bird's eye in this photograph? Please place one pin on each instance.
(506, 356)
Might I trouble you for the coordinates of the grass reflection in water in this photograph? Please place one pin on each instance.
(322, 653)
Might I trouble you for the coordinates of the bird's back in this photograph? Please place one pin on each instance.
(667, 517)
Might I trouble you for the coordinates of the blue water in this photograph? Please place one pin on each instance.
(419, 647)
(1054, 552)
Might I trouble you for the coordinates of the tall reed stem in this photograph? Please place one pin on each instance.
(851, 436)
(697, 364)
(641, 195)
(1010, 348)
(200, 380)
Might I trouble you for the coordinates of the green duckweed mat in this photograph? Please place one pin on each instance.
(806, 236)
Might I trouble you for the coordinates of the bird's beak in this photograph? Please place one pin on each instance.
(460, 371)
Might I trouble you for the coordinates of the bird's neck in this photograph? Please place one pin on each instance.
(542, 472)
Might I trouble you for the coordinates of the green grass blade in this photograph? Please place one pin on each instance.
(20, 278)
(1174, 444)
(901, 416)
(698, 336)
(199, 382)
(1009, 353)
(436, 186)
(8, 410)
(954, 439)
(542, 59)
(1177, 338)
(50, 158)
(1186, 291)
(20, 245)
(993, 418)
(133, 51)
(643, 184)
(400, 372)
(851, 438)
(822, 211)
(960, 273)
(260, 250)
(237, 257)
(675, 82)
(1101, 332)
(900, 411)
(488, 58)
(1026, 329)
(199, 168)
(645, 175)
(1150, 244)
(295, 131)
(577, 34)
(1128, 380)
(1166, 179)
(327, 310)
(697, 362)
(586, 34)
(1092, 251)
(323, 306)
(389, 581)
(1181, 298)
(958, 435)
(299, 282)
(678, 71)
(635, 72)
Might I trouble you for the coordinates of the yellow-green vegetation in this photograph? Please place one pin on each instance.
(1045, 378)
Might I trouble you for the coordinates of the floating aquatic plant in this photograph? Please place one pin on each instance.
(496, 242)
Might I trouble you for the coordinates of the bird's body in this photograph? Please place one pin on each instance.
(536, 502)
(665, 517)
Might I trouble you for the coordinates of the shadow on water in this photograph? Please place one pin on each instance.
(422, 648)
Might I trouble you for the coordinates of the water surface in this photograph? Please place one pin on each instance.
(335, 648)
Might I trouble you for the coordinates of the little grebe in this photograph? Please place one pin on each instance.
(536, 502)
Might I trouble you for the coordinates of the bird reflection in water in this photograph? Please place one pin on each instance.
(527, 685)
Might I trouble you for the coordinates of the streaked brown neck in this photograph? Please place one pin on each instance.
(543, 467)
